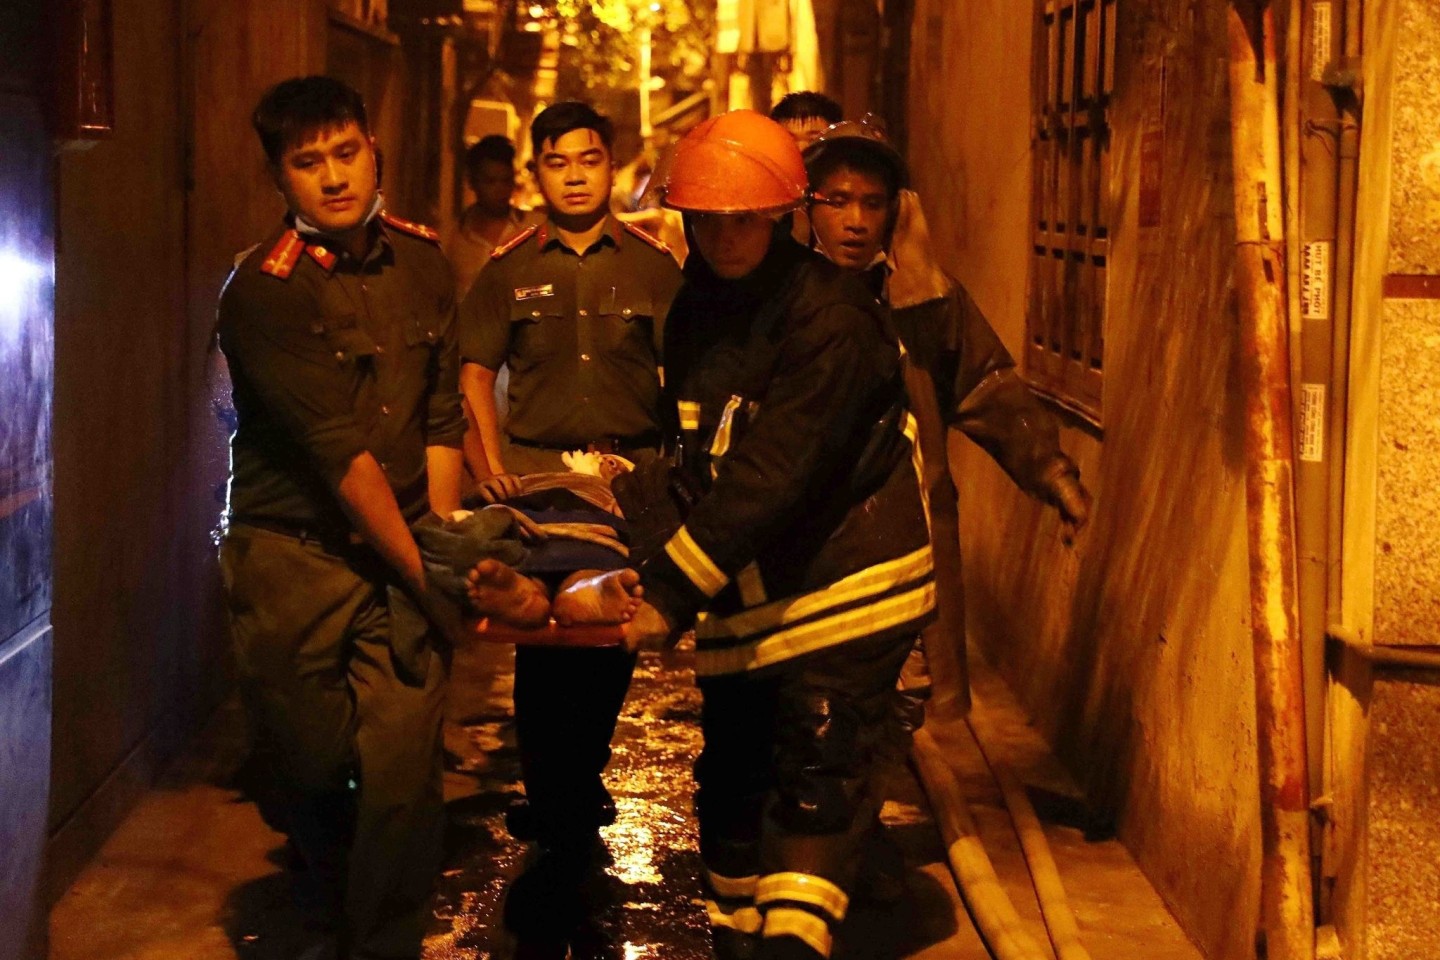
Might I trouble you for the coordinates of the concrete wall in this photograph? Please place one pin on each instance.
(1387, 840)
(1131, 650)
(1407, 573)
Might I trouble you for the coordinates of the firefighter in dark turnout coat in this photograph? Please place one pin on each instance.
(959, 374)
(804, 563)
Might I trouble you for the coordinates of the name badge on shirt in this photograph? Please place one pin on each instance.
(530, 293)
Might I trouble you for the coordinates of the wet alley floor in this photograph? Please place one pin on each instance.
(194, 874)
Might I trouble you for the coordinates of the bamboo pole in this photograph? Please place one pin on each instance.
(1286, 899)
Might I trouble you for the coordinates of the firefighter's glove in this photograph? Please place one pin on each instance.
(647, 630)
(1069, 496)
(655, 499)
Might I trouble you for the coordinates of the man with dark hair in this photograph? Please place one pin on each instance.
(805, 114)
(339, 334)
(492, 218)
(865, 220)
(569, 116)
(804, 545)
(959, 374)
(575, 307)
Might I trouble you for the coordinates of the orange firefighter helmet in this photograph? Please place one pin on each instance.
(736, 162)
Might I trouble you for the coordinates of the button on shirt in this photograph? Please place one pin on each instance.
(579, 331)
(339, 357)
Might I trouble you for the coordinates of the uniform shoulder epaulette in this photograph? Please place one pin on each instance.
(407, 226)
(513, 242)
(280, 261)
(645, 235)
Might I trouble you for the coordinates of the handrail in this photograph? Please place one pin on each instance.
(1385, 655)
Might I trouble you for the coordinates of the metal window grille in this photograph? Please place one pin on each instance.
(1073, 84)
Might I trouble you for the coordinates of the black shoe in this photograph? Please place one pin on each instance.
(522, 824)
(550, 899)
(881, 877)
(733, 945)
(541, 949)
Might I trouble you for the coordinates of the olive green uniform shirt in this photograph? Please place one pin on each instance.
(580, 332)
(330, 357)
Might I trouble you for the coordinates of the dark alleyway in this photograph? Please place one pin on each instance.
(193, 873)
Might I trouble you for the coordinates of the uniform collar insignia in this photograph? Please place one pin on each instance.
(409, 226)
(546, 235)
(322, 255)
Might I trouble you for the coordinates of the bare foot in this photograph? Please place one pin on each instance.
(499, 592)
(600, 598)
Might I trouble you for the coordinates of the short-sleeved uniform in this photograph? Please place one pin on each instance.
(579, 332)
(331, 357)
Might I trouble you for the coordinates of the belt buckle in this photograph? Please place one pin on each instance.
(606, 446)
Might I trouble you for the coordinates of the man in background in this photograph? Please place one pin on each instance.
(805, 114)
(492, 218)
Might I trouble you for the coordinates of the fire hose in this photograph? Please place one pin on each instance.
(994, 913)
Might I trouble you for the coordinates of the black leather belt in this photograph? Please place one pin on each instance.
(331, 539)
(611, 445)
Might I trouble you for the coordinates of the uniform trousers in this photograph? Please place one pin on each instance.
(566, 705)
(351, 727)
(785, 796)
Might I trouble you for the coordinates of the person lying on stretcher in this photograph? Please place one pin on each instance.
(540, 547)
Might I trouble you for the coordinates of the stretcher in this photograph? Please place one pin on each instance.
(550, 635)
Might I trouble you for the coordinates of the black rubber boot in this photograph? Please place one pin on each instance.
(557, 892)
(786, 948)
(734, 945)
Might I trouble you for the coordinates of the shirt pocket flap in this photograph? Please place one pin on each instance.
(531, 311)
(345, 337)
(423, 328)
(626, 305)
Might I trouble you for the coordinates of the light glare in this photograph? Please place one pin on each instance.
(19, 279)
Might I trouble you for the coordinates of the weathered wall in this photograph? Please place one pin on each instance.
(27, 328)
(136, 653)
(149, 223)
(1407, 571)
(1132, 649)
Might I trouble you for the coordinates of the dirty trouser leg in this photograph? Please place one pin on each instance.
(290, 607)
(566, 705)
(310, 631)
(833, 711)
(734, 776)
(400, 811)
